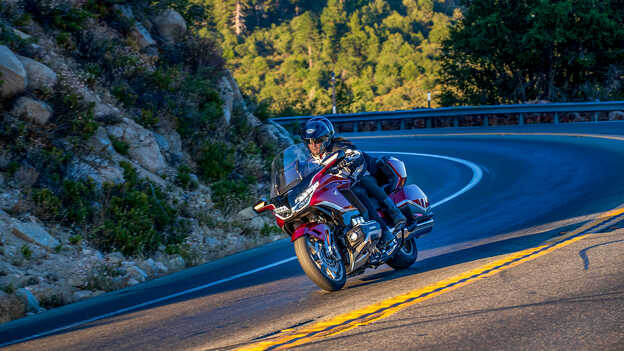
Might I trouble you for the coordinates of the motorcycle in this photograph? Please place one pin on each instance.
(329, 225)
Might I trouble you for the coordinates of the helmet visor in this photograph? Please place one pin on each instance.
(320, 140)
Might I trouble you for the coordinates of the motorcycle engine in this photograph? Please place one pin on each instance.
(362, 238)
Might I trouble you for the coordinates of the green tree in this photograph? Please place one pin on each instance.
(506, 51)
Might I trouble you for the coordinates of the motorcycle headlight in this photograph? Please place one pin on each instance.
(303, 199)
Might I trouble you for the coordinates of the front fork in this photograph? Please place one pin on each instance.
(330, 247)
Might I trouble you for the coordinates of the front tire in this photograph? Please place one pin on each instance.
(405, 256)
(326, 272)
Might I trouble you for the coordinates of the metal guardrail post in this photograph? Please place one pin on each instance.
(428, 123)
(595, 116)
(455, 122)
(556, 118)
(355, 126)
(486, 121)
(521, 119)
(378, 126)
(402, 124)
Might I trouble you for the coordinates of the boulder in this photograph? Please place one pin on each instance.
(148, 266)
(81, 295)
(170, 144)
(34, 233)
(137, 273)
(100, 142)
(11, 307)
(124, 10)
(115, 258)
(142, 145)
(170, 25)
(142, 36)
(98, 169)
(40, 76)
(13, 74)
(226, 94)
(32, 110)
(160, 267)
(28, 299)
(176, 263)
(273, 135)
(9, 199)
(21, 34)
(101, 109)
(253, 220)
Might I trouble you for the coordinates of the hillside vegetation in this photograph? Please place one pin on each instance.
(385, 54)
(126, 149)
(389, 54)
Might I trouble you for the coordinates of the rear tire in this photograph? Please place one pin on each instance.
(405, 256)
(328, 273)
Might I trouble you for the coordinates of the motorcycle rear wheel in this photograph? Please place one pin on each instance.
(327, 272)
(405, 256)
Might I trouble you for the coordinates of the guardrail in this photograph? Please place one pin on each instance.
(471, 116)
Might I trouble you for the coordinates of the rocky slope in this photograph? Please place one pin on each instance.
(83, 151)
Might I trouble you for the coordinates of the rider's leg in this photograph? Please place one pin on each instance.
(369, 183)
(387, 239)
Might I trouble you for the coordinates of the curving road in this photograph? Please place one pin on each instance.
(529, 257)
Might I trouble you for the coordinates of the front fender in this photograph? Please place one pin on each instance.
(317, 230)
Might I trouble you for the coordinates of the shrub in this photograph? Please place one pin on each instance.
(215, 160)
(78, 197)
(26, 251)
(230, 195)
(124, 93)
(136, 217)
(75, 239)
(47, 204)
(148, 118)
(119, 145)
(9, 288)
(73, 116)
(64, 40)
(183, 178)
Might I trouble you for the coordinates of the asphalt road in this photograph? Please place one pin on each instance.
(535, 187)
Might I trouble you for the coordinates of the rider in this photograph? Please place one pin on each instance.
(318, 134)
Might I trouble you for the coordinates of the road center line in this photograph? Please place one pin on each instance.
(374, 312)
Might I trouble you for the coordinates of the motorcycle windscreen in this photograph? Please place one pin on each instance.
(289, 168)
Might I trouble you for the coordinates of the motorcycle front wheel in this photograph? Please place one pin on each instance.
(326, 272)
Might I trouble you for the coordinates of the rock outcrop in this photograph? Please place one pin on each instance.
(32, 110)
(39, 75)
(13, 75)
(170, 25)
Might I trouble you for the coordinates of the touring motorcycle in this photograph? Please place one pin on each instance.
(328, 223)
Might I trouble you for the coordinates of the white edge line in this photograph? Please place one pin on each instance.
(477, 173)
(476, 177)
(151, 302)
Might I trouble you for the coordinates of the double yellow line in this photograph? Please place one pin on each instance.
(341, 323)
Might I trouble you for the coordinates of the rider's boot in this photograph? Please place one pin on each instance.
(395, 214)
(388, 242)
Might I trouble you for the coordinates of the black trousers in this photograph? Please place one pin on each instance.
(369, 183)
(366, 187)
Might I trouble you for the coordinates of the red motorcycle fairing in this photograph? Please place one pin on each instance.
(317, 230)
(410, 194)
(328, 194)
